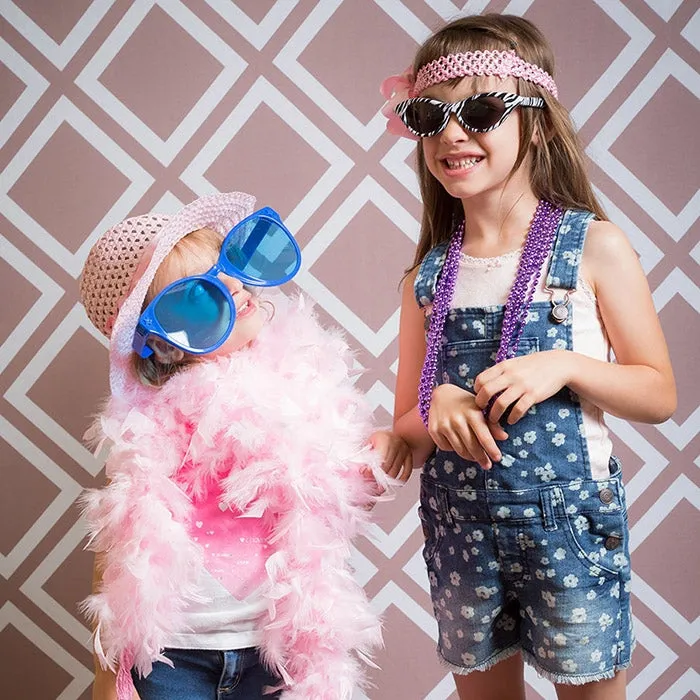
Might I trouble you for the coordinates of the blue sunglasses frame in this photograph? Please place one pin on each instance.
(148, 324)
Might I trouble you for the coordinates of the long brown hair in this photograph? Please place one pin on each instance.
(557, 172)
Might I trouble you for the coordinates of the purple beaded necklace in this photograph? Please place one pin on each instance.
(538, 243)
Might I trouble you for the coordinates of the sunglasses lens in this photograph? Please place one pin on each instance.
(263, 251)
(482, 113)
(423, 117)
(194, 313)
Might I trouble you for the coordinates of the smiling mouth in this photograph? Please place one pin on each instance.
(243, 307)
(461, 163)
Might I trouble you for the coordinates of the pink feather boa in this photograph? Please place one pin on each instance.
(277, 427)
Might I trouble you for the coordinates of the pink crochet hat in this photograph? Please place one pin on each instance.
(111, 265)
(121, 265)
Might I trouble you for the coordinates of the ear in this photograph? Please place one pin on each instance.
(166, 354)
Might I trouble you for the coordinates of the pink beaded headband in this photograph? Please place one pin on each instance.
(398, 88)
(500, 63)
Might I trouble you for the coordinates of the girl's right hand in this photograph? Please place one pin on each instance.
(457, 424)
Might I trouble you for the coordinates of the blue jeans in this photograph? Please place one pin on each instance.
(207, 675)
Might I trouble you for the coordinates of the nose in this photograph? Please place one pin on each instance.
(453, 132)
(233, 284)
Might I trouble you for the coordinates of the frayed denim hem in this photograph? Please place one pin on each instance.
(484, 665)
(572, 678)
(558, 678)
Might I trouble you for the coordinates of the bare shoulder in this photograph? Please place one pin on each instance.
(407, 288)
(608, 253)
(605, 241)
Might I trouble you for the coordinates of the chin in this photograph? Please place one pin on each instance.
(243, 334)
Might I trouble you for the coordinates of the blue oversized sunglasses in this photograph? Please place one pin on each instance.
(197, 313)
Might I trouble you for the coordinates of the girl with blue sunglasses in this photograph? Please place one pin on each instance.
(242, 463)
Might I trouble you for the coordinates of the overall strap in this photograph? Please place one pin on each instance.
(428, 275)
(568, 248)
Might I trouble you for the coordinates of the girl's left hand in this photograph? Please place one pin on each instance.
(521, 382)
(397, 460)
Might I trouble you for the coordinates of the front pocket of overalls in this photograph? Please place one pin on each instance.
(465, 360)
(598, 539)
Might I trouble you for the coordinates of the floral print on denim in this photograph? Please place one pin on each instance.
(531, 555)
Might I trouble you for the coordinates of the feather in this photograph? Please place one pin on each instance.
(280, 429)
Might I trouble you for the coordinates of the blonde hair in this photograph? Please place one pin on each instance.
(194, 253)
(557, 172)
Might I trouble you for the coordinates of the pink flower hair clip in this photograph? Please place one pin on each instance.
(395, 89)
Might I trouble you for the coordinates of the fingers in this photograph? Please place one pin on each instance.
(471, 440)
(451, 437)
(397, 459)
(497, 431)
(487, 444)
(502, 403)
(395, 464)
(405, 466)
(519, 409)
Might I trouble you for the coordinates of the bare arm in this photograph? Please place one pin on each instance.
(639, 386)
(407, 422)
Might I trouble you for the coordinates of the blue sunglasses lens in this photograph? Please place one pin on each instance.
(194, 313)
(262, 250)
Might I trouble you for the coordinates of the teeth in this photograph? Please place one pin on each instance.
(244, 306)
(462, 163)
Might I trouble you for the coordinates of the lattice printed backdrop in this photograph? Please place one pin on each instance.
(112, 107)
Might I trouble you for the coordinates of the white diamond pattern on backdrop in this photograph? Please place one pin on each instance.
(640, 38)
(388, 543)
(447, 9)
(69, 490)
(670, 64)
(664, 8)
(367, 191)
(258, 34)
(679, 283)
(35, 83)
(681, 488)
(81, 677)
(50, 294)
(686, 686)
(654, 461)
(66, 112)
(33, 586)
(662, 658)
(395, 162)
(287, 61)
(649, 253)
(262, 92)
(18, 393)
(58, 54)
(691, 31)
(163, 149)
(258, 66)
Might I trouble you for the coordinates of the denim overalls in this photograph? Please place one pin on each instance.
(531, 555)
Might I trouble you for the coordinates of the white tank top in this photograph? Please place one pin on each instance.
(487, 282)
